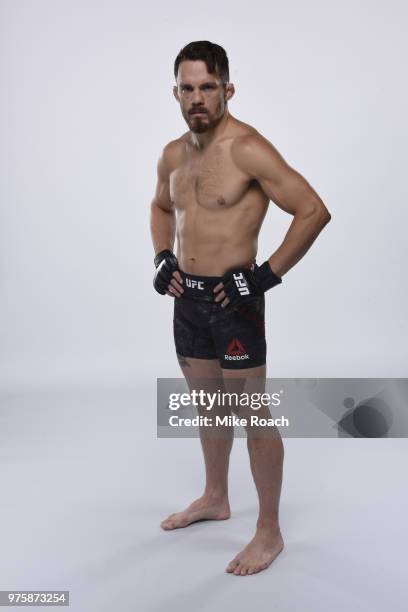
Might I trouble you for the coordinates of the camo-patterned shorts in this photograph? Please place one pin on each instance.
(203, 329)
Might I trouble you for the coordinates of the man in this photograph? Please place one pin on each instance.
(213, 189)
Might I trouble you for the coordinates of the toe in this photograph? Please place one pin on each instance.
(167, 521)
(168, 524)
(165, 525)
(232, 565)
(261, 567)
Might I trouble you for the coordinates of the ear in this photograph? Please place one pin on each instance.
(175, 93)
(229, 91)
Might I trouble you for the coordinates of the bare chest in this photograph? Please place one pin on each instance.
(211, 180)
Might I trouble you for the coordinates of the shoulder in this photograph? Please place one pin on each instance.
(174, 149)
(171, 155)
(251, 152)
(244, 140)
(250, 143)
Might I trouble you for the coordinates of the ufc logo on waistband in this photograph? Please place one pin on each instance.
(241, 284)
(193, 284)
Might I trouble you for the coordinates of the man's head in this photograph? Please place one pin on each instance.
(202, 76)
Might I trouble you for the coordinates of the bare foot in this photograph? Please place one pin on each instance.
(203, 508)
(264, 547)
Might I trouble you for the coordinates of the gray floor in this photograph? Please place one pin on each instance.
(85, 483)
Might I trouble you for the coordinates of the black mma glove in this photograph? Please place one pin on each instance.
(242, 285)
(166, 263)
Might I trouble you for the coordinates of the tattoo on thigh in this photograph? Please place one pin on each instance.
(183, 361)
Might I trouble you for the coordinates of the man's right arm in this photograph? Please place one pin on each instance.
(162, 213)
(163, 230)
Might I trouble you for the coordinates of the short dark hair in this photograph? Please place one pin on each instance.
(213, 55)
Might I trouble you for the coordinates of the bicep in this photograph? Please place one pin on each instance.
(289, 190)
(284, 185)
(161, 198)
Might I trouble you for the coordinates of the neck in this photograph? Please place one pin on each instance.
(201, 141)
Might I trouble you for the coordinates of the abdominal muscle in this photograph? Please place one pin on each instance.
(214, 262)
(210, 246)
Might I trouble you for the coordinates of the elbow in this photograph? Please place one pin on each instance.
(321, 213)
(316, 210)
(326, 217)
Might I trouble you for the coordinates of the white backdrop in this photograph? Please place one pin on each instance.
(86, 107)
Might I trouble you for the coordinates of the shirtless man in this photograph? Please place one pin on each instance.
(213, 189)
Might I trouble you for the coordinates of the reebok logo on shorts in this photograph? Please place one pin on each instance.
(235, 351)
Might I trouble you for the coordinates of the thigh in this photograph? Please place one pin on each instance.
(257, 375)
(205, 375)
(197, 369)
(245, 380)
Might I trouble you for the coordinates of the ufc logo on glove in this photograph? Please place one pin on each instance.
(241, 284)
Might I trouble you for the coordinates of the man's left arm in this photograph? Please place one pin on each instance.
(289, 190)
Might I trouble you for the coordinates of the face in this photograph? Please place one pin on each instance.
(202, 96)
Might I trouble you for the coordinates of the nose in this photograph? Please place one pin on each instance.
(198, 97)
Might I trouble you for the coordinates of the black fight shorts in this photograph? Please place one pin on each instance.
(204, 330)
